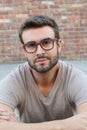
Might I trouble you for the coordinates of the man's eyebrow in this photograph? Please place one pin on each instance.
(30, 42)
(46, 38)
(38, 41)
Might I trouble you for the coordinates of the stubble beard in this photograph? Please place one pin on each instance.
(44, 69)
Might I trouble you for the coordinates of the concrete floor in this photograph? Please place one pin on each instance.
(6, 68)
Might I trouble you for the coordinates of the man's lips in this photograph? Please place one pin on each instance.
(41, 60)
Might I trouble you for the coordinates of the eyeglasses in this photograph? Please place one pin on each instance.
(46, 44)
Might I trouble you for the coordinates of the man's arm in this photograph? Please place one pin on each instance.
(82, 108)
(77, 122)
(7, 114)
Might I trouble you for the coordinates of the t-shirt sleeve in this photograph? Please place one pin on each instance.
(11, 91)
(78, 88)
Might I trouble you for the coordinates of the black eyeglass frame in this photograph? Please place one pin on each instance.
(53, 40)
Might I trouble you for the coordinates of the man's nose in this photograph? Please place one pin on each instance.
(40, 50)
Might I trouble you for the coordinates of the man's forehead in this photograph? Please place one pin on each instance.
(38, 34)
(44, 28)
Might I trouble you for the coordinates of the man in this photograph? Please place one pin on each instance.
(49, 93)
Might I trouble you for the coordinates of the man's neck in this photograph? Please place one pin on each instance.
(45, 81)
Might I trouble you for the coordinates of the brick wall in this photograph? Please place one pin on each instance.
(71, 15)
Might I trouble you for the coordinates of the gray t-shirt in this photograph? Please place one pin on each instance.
(20, 90)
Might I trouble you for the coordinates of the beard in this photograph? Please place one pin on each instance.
(44, 68)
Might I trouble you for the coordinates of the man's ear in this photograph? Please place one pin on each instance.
(59, 45)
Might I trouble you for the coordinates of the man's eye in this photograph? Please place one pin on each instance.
(46, 42)
(31, 45)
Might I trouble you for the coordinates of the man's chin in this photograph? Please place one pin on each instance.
(43, 69)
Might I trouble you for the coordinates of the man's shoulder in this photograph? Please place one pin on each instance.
(20, 67)
(16, 73)
(70, 68)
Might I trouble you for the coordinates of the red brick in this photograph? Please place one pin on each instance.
(70, 15)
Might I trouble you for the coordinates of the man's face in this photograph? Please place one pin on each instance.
(41, 60)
